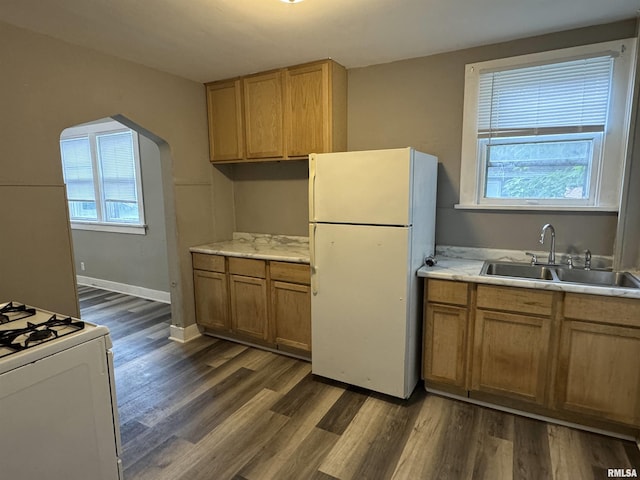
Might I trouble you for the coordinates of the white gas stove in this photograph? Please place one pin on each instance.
(57, 396)
(28, 334)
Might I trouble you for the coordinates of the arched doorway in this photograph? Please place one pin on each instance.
(143, 264)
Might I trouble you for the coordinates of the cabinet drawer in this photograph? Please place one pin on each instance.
(512, 299)
(212, 263)
(445, 291)
(248, 267)
(602, 309)
(290, 272)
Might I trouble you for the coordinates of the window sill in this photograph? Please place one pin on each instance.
(110, 227)
(545, 208)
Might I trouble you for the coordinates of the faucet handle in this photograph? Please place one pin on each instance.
(534, 257)
(587, 259)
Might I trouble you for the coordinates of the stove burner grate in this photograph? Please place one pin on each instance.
(33, 334)
(12, 312)
(40, 335)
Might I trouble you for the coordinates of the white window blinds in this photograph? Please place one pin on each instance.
(117, 163)
(118, 168)
(78, 169)
(101, 164)
(565, 97)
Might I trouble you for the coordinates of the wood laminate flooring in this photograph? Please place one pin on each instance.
(212, 409)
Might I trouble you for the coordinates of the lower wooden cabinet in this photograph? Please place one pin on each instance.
(212, 305)
(211, 291)
(291, 306)
(605, 389)
(291, 313)
(512, 335)
(249, 306)
(510, 355)
(598, 361)
(570, 356)
(263, 302)
(444, 361)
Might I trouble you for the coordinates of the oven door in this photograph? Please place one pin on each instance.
(57, 417)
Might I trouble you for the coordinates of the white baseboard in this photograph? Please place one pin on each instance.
(142, 292)
(184, 334)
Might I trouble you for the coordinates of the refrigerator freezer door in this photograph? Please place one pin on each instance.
(359, 306)
(368, 187)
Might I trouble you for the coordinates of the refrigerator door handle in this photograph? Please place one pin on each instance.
(312, 258)
(312, 188)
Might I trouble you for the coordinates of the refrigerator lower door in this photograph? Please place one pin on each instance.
(359, 306)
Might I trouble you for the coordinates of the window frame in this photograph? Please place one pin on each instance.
(607, 171)
(91, 131)
(596, 162)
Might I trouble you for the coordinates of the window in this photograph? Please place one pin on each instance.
(101, 167)
(547, 130)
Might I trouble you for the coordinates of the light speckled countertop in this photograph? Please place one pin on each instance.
(468, 270)
(285, 248)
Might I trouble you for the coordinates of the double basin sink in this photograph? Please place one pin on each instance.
(560, 274)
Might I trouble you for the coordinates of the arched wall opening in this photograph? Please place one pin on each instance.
(141, 265)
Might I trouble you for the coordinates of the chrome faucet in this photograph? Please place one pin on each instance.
(587, 259)
(552, 249)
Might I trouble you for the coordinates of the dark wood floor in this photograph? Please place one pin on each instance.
(212, 409)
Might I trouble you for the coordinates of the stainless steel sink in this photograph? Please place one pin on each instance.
(559, 274)
(598, 277)
(517, 270)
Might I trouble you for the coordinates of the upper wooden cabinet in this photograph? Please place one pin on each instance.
(278, 115)
(263, 113)
(224, 111)
(315, 108)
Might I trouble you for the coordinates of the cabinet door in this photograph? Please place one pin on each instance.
(212, 304)
(599, 371)
(224, 111)
(263, 115)
(510, 355)
(291, 313)
(249, 306)
(445, 345)
(307, 110)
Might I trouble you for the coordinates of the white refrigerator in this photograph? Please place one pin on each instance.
(371, 225)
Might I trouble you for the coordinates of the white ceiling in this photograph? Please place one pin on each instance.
(207, 40)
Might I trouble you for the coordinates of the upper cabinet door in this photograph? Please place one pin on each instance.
(307, 110)
(277, 115)
(224, 110)
(264, 115)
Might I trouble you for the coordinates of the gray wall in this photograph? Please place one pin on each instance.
(47, 85)
(139, 260)
(419, 103)
(272, 197)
